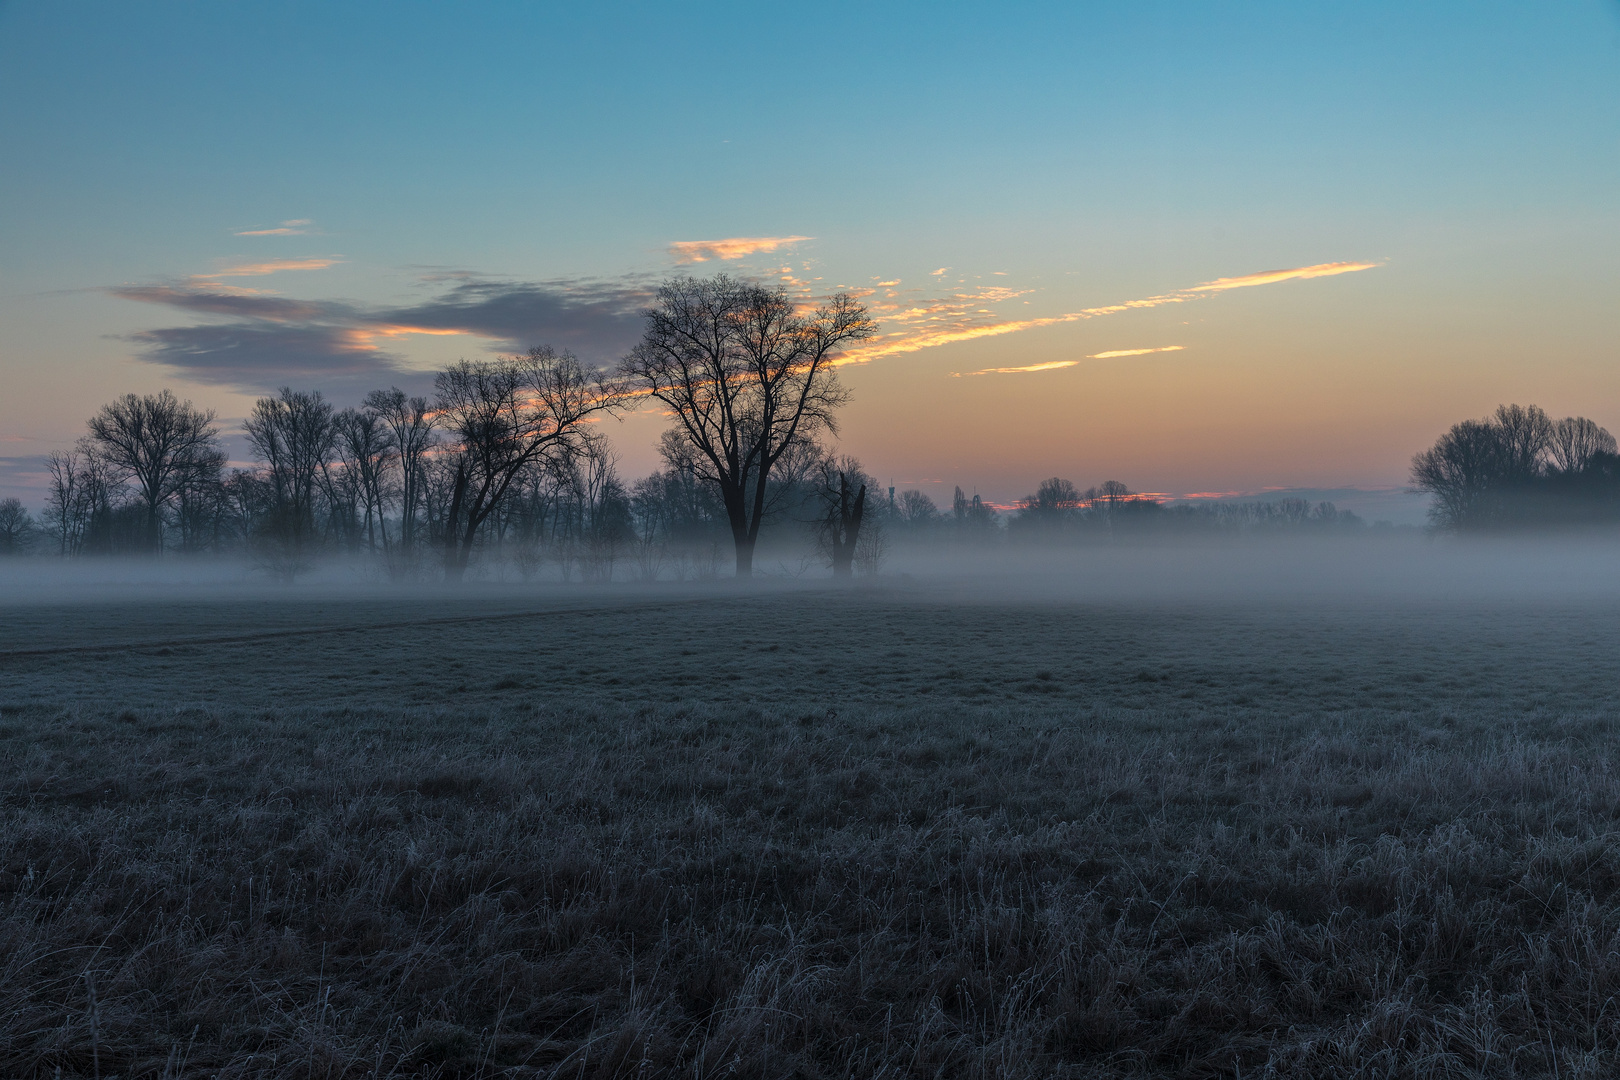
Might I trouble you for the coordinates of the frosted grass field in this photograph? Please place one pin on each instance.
(1221, 814)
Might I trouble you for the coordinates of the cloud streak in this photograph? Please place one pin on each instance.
(1134, 352)
(968, 315)
(1050, 365)
(686, 252)
(1269, 277)
(271, 266)
(1053, 365)
(295, 227)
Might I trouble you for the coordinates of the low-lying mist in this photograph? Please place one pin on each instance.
(1395, 568)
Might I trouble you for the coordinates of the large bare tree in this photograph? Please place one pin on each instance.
(157, 441)
(507, 415)
(748, 376)
(1476, 470)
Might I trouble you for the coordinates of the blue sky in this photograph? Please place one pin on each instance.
(509, 172)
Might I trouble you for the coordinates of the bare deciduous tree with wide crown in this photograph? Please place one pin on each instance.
(748, 376)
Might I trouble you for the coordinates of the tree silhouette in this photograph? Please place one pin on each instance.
(507, 415)
(159, 442)
(748, 377)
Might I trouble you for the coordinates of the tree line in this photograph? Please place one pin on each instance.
(505, 455)
(1518, 468)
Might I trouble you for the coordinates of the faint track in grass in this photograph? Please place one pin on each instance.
(345, 628)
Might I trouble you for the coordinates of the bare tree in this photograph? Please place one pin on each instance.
(1106, 500)
(747, 376)
(846, 529)
(1461, 470)
(605, 522)
(1485, 472)
(1108, 495)
(365, 445)
(872, 549)
(16, 527)
(917, 510)
(293, 434)
(1526, 434)
(410, 421)
(844, 526)
(156, 441)
(973, 519)
(507, 415)
(199, 501)
(1575, 442)
(65, 505)
(1056, 503)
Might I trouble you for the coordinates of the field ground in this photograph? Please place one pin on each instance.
(792, 831)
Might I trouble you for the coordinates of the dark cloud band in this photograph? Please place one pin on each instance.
(270, 340)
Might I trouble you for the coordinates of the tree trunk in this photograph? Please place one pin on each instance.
(154, 530)
(847, 529)
(454, 567)
(741, 536)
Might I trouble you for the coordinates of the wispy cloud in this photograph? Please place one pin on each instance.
(295, 227)
(271, 266)
(736, 247)
(970, 314)
(1110, 354)
(206, 300)
(1049, 366)
(1269, 277)
(1053, 365)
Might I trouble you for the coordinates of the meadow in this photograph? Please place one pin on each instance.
(1190, 816)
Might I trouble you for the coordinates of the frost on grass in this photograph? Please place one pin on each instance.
(892, 892)
(1107, 841)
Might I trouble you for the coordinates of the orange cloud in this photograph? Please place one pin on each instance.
(1269, 276)
(295, 227)
(223, 289)
(365, 337)
(271, 267)
(696, 251)
(1133, 352)
(964, 316)
(1052, 365)
(927, 339)
(1048, 366)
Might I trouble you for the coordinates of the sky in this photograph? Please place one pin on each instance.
(1195, 247)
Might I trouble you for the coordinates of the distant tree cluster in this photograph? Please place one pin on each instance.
(1111, 511)
(1519, 468)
